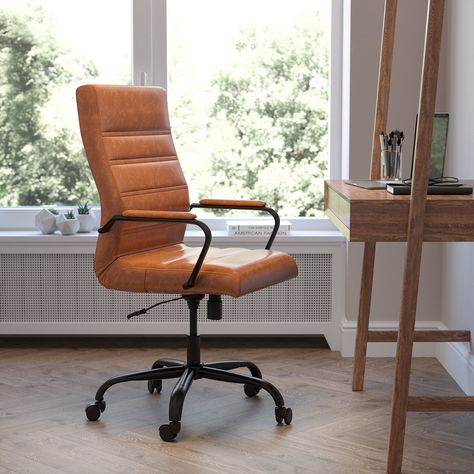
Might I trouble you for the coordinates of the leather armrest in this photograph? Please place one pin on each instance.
(160, 214)
(231, 202)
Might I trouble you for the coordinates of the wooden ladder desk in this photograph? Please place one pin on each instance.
(372, 216)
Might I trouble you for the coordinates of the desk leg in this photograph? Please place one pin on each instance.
(406, 334)
(363, 318)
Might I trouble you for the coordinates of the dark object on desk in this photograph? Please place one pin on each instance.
(145, 209)
(458, 188)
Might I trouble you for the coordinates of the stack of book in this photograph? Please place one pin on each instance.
(257, 227)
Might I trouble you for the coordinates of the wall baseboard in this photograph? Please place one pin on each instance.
(458, 360)
(456, 357)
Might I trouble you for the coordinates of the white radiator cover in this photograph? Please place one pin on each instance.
(47, 293)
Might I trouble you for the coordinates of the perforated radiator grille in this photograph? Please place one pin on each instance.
(62, 288)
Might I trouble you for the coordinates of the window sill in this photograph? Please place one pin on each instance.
(28, 241)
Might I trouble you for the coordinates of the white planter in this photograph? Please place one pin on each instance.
(45, 222)
(86, 222)
(68, 226)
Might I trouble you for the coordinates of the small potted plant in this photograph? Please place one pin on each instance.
(85, 218)
(68, 224)
(45, 221)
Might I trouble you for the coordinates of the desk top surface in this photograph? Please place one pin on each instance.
(355, 193)
(364, 215)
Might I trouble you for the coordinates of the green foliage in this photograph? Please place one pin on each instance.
(69, 214)
(54, 211)
(270, 119)
(38, 162)
(83, 209)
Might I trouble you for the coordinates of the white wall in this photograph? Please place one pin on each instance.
(366, 18)
(458, 258)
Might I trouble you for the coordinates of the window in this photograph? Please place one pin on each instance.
(47, 49)
(248, 84)
(248, 88)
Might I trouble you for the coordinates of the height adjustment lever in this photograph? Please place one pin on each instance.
(145, 310)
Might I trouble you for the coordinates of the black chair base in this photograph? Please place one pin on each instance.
(169, 368)
(186, 373)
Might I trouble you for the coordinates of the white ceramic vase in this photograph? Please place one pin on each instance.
(59, 218)
(67, 226)
(45, 222)
(86, 222)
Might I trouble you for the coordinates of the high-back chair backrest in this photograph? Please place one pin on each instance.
(128, 143)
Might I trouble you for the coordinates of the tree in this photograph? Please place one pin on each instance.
(39, 164)
(270, 119)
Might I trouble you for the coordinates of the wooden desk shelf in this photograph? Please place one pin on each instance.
(365, 215)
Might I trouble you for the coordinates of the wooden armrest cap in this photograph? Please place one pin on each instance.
(232, 202)
(161, 214)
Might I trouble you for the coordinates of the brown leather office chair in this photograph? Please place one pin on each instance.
(145, 211)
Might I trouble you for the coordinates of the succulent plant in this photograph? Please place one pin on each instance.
(83, 209)
(54, 211)
(69, 214)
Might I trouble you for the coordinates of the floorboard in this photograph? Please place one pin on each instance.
(45, 384)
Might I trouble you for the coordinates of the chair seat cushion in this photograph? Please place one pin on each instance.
(230, 271)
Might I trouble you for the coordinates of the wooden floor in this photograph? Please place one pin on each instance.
(44, 386)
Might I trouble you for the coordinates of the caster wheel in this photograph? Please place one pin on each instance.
(251, 390)
(170, 431)
(154, 385)
(283, 414)
(94, 410)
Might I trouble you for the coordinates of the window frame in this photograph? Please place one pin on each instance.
(149, 67)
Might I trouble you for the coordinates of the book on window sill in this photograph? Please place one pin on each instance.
(262, 228)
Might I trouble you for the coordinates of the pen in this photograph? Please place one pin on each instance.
(382, 141)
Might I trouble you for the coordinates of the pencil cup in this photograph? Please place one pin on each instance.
(391, 165)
